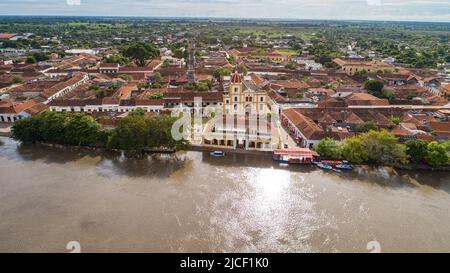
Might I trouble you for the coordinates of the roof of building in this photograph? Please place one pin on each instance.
(365, 99)
(308, 127)
(441, 128)
(236, 78)
(7, 35)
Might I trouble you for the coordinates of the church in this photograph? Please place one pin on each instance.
(241, 96)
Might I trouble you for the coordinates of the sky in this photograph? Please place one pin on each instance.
(398, 10)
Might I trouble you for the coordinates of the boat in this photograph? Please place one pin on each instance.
(340, 165)
(345, 167)
(298, 156)
(218, 153)
(325, 166)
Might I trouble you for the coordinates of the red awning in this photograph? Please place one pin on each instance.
(303, 152)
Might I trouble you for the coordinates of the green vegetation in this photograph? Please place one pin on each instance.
(366, 126)
(94, 87)
(291, 66)
(382, 147)
(117, 58)
(17, 79)
(395, 120)
(134, 132)
(223, 71)
(140, 53)
(437, 154)
(199, 86)
(374, 86)
(156, 96)
(328, 148)
(299, 95)
(417, 150)
(60, 128)
(103, 92)
(157, 77)
(37, 57)
(373, 147)
(137, 132)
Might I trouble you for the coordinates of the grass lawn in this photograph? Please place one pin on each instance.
(288, 51)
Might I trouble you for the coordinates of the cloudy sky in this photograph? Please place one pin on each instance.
(415, 10)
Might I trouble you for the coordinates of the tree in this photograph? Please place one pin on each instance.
(17, 79)
(131, 132)
(396, 120)
(374, 86)
(366, 126)
(243, 69)
(437, 154)
(137, 132)
(157, 77)
(382, 148)
(222, 71)
(160, 133)
(31, 60)
(291, 66)
(156, 96)
(328, 148)
(117, 58)
(60, 128)
(352, 149)
(416, 150)
(83, 130)
(140, 53)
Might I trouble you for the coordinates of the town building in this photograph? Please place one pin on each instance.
(241, 95)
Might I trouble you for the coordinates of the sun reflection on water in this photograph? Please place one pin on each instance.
(272, 183)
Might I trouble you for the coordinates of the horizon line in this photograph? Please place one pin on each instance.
(227, 18)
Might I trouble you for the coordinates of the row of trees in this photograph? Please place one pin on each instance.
(133, 133)
(136, 132)
(60, 128)
(383, 148)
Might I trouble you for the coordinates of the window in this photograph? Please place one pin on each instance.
(236, 90)
(235, 107)
(262, 99)
(235, 99)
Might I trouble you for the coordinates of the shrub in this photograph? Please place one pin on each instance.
(416, 150)
(328, 148)
(437, 154)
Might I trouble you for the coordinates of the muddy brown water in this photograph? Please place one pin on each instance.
(192, 202)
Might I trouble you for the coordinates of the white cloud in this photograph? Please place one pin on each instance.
(73, 2)
(374, 2)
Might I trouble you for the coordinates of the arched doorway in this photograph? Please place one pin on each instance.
(248, 109)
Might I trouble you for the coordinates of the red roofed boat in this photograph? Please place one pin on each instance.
(295, 156)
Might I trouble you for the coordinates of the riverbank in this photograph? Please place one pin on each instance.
(207, 149)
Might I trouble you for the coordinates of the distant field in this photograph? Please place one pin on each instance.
(288, 51)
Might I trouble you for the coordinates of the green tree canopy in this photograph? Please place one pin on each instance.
(352, 149)
(222, 71)
(437, 154)
(374, 86)
(60, 128)
(366, 126)
(416, 150)
(328, 148)
(140, 53)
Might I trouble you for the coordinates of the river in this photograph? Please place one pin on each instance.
(196, 203)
